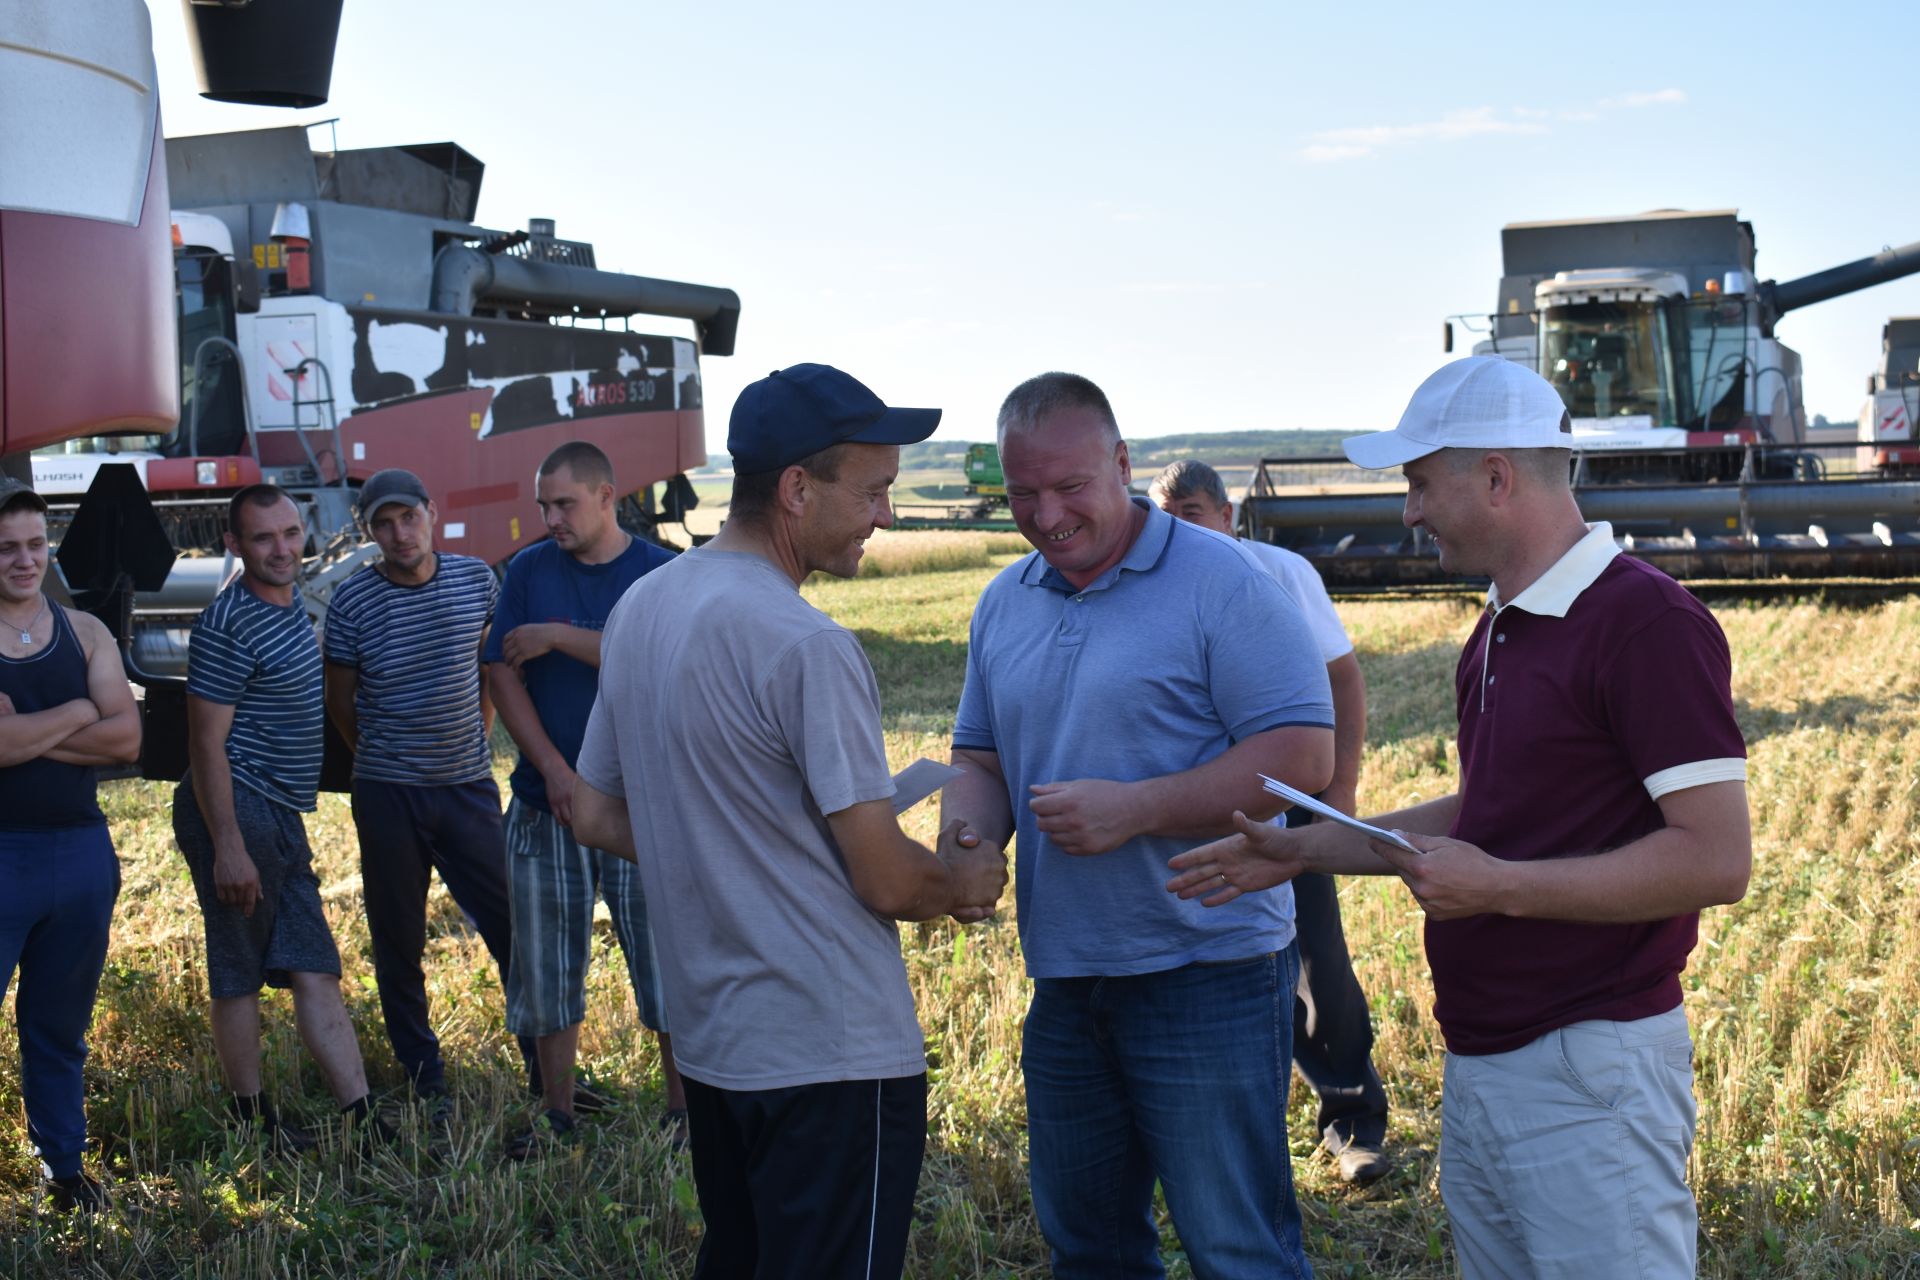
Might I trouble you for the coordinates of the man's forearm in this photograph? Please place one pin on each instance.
(36, 733)
(600, 822)
(114, 740)
(1332, 849)
(577, 643)
(515, 705)
(213, 790)
(1199, 804)
(978, 798)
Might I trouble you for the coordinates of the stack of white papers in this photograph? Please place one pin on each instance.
(1307, 802)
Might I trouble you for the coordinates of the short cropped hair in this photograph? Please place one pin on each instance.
(255, 495)
(1549, 466)
(753, 495)
(1189, 479)
(587, 463)
(1030, 403)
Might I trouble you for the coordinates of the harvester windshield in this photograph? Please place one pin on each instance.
(1612, 360)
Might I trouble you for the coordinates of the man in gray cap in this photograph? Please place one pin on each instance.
(766, 838)
(406, 690)
(1601, 806)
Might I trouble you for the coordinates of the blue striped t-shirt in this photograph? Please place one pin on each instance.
(418, 652)
(262, 660)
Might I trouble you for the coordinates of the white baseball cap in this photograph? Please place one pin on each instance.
(1480, 402)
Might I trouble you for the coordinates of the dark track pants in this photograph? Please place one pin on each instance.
(406, 834)
(1332, 1028)
(57, 890)
(814, 1182)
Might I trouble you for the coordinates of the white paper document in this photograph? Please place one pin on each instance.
(1311, 805)
(918, 781)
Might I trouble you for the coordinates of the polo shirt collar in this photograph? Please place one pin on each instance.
(1554, 591)
(1141, 557)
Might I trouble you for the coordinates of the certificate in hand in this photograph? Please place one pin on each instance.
(1327, 811)
(918, 781)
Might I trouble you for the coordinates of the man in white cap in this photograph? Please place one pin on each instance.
(1602, 804)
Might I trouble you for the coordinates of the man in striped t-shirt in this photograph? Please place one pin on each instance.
(254, 737)
(405, 689)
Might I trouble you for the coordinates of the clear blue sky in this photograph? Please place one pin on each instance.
(1230, 215)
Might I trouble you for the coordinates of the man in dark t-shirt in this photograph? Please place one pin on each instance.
(543, 666)
(1602, 804)
(64, 707)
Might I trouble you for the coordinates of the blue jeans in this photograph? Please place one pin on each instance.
(57, 890)
(1180, 1076)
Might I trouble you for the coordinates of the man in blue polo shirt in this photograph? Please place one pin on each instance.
(543, 656)
(255, 736)
(1602, 804)
(1126, 684)
(405, 689)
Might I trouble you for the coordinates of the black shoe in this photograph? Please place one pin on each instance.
(1361, 1164)
(76, 1193)
(551, 1130)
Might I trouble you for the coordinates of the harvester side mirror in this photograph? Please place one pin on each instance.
(1446, 337)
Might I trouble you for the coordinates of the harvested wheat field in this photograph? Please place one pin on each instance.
(1805, 1000)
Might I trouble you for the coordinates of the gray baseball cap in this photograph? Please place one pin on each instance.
(390, 486)
(13, 494)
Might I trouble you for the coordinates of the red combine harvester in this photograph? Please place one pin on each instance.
(303, 317)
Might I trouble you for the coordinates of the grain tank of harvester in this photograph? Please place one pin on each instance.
(1689, 428)
(306, 318)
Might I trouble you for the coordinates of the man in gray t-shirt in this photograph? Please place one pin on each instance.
(739, 728)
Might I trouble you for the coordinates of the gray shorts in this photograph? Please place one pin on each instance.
(552, 881)
(287, 932)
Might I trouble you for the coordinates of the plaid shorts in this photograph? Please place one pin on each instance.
(552, 881)
(287, 932)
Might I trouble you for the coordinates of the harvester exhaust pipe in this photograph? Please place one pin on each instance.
(464, 275)
(1777, 299)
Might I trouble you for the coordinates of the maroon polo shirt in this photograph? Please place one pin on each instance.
(1597, 690)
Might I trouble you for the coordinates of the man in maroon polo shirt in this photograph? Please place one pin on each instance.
(1602, 804)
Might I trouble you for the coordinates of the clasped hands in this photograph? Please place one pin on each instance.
(979, 873)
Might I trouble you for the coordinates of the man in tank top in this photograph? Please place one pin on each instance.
(64, 708)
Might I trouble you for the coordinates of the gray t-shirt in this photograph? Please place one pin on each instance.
(733, 716)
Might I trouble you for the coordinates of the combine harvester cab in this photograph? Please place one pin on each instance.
(1689, 427)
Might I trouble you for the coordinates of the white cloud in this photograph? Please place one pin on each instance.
(1353, 143)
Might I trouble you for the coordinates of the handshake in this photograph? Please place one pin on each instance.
(978, 872)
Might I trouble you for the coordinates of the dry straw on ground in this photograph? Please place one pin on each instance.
(1805, 999)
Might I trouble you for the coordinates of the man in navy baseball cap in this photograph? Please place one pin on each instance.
(796, 412)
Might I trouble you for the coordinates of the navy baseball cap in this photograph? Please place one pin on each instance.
(392, 485)
(794, 413)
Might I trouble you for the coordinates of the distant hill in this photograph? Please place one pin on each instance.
(1220, 448)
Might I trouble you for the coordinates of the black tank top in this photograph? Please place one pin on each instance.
(45, 793)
